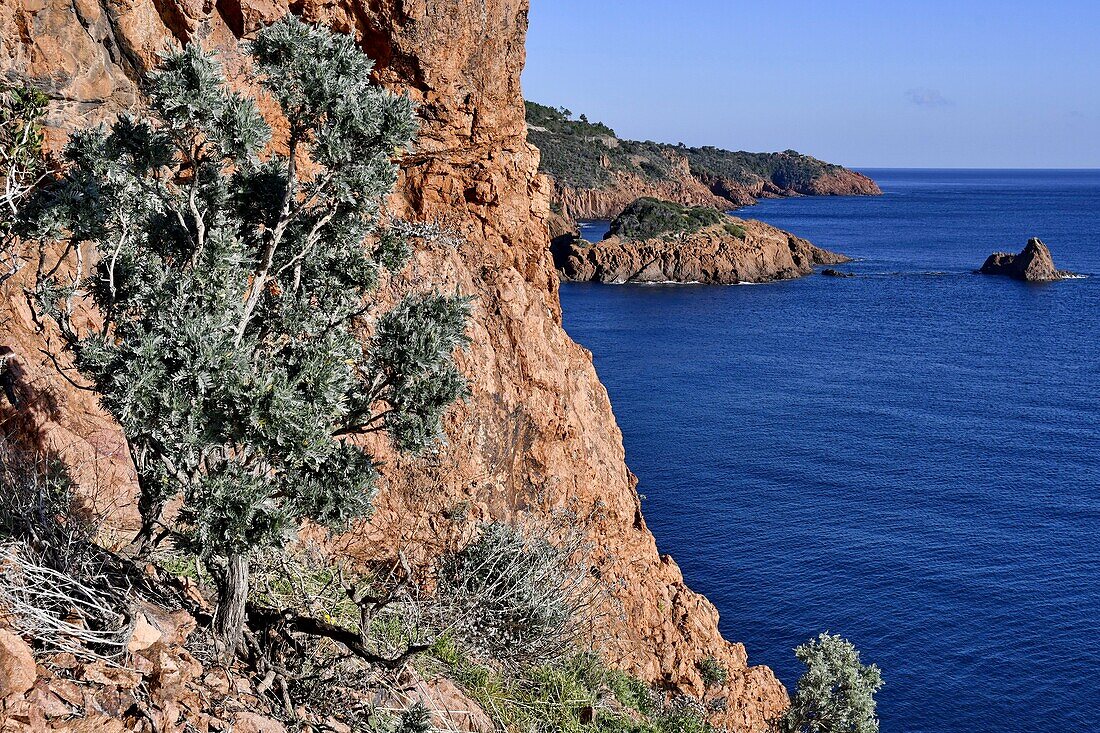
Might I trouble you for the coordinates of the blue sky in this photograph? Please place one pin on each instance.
(969, 83)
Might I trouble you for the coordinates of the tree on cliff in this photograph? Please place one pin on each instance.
(234, 286)
(836, 694)
(21, 165)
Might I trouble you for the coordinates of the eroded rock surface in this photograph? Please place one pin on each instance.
(537, 437)
(1034, 264)
(756, 253)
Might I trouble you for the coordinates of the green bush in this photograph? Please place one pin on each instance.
(713, 672)
(837, 692)
(736, 230)
(647, 218)
(236, 282)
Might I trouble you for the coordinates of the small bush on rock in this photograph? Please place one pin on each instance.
(516, 596)
(21, 165)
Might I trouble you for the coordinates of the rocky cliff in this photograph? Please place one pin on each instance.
(740, 251)
(537, 435)
(596, 174)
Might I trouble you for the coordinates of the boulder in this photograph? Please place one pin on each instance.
(1035, 264)
(247, 722)
(830, 272)
(17, 670)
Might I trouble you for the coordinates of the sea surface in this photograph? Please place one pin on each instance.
(910, 458)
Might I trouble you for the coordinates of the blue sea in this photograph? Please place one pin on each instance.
(909, 458)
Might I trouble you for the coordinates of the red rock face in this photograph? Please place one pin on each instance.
(684, 188)
(537, 437)
(711, 256)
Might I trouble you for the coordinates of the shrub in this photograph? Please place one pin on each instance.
(578, 693)
(51, 572)
(647, 218)
(836, 694)
(713, 672)
(416, 719)
(515, 596)
(233, 282)
(736, 230)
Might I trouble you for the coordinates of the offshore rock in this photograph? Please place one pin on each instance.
(1034, 264)
(755, 253)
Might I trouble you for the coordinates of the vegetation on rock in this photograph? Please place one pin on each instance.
(516, 596)
(582, 154)
(579, 154)
(648, 217)
(232, 286)
(576, 694)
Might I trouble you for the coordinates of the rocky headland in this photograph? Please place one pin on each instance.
(536, 438)
(596, 174)
(1034, 264)
(661, 242)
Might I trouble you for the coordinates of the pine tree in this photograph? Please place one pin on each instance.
(836, 694)
(233, 278)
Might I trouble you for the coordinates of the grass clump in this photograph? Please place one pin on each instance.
(574, 695)
(736, 230)
(647, 218)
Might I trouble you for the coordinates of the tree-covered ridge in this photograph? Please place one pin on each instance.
(582, 154)
(789, 169)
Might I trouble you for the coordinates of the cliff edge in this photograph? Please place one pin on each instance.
(537, 437)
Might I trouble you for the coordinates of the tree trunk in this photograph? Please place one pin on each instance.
(144, 543)
(230, 614)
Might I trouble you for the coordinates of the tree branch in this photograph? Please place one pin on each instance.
(264, 618)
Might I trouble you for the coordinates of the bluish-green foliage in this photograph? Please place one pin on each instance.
(836, 694)
(416, 719)
(235, 280)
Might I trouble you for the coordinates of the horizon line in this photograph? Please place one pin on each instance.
(968, 168)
